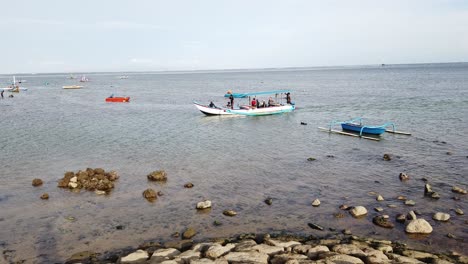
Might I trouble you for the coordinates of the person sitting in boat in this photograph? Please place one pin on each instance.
(111, 96)
(212, 105)
(254, 103)
(264, 104)
(288, 98)
(271, 102)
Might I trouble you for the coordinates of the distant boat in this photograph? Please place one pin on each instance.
(123, 77)
(71, 77)
(84, 79)
(115, 99)
(72, 87)
(14, 87)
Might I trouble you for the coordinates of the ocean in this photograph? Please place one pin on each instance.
(236, 162)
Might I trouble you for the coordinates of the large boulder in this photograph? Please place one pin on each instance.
(418, 226)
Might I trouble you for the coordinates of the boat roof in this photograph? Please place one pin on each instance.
(244, 95)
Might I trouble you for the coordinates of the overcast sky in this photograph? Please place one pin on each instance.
(150, 35)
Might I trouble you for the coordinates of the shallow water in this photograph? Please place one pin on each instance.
(236, 162)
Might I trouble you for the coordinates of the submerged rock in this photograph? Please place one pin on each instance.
(418, 226)
(379, 198)
(189, 233)
(89, 179)
(435, 195)
(459, 211)
(159, 175)
(36, 182)
(229, 213)
(428, 189)
(458, 190)
(401, 218)
(150, 195)
(410, 202)
(311, 159)
(383, 221)
(387, 157)
(45, 196)
(403, 177)
(315, 226)
(268, 201)
(188, 185)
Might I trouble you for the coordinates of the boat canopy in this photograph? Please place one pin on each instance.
(244, 95)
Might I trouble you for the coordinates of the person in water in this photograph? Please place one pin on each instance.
(2, 93)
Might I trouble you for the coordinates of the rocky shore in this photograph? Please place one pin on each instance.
(284, 249)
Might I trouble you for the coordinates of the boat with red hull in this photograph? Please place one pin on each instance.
(118, 99)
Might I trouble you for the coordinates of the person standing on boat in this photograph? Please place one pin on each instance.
(254, 103)
(231, 99)
(288, 98)
(212, 105)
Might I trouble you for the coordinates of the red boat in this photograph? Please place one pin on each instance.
(118, 99)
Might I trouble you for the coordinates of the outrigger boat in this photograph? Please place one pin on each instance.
(247, 109)
(72, 87)
(355, 127)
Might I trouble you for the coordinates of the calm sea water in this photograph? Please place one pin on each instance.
(236, 162)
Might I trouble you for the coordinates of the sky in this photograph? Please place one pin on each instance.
(151, 35)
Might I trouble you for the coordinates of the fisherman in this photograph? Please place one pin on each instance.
(231, 99)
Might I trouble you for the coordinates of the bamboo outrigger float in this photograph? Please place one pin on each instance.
(353, 126)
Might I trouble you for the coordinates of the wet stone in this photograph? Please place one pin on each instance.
(45, 196)
(378, 209)
(459, 211)
(383, 221)
(315, 226)
(36, 182)
(188, 185)
(268, 201)
(159, 175)
(387, 157)
(229, 213)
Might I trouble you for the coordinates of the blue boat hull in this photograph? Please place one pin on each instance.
(366, 130)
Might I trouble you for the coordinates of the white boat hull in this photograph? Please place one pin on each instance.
(273, 110)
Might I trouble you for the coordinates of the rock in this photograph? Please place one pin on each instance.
(72, 185)
(403, 177)
(287, 258)
(392, 205)
(379, 198)
(418, 226)
(459, 190)
(82, 257)
(428, 189)
(316, 203)
(189, 233)
(358, 211)
(188, 185)
(348, 249)
(339, 215)
(36, 182)
(459, 211)
(411, 215)
(113, 175)
(401, 198)
(63, 183)
(435, 195)
(74, 179)
(346, 232)
(410, 202)
(204, 205)
(181, 245)
(315, 226)
(217, 223)
(268, 201)
(439, 216)
(450, 235)
(378, 209)
(138, 256)
(284, 244)
(344, 207)
(341, 258)
(401, 218)
(315, 251)
(164, 254)
(387, 157)
(229, 212)
(247, 257)
(375, 256)
(419, 255)
(303, 123)
(45, 196)
(401, 259)
(217, 250)
(150, 195)
(301, 249)
(311, 159)
(382, 221)
(189, 255)
(160, 193)
(98, 192)
(269, 250)
(99, 171)
(159, 175)
(245, 245)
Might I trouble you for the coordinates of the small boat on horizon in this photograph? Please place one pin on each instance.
(250, 107)
(84, 79)
(72, 87)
